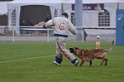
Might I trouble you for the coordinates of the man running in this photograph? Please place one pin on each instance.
(62, 26)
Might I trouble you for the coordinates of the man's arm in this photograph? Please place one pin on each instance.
(72, 28)
(49, 24)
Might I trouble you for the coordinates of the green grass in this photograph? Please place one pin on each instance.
(32, 62)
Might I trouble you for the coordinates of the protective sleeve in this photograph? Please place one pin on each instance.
(49, 23)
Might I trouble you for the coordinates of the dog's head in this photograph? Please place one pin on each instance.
(72, 50)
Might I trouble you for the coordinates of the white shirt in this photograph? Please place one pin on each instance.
(61, 26)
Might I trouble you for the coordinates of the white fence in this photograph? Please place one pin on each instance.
(30, 34)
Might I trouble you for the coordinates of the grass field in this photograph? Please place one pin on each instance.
(32, 62)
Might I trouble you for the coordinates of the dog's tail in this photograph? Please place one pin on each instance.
(111, 47)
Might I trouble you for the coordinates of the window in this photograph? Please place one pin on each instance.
(13, 18)
(104, 18)
(72, 18)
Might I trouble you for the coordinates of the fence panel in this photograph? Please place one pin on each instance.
(46, 35)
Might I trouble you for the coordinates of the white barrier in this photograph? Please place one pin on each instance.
(90, 31)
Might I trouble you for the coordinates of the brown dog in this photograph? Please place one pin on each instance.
(89, 55)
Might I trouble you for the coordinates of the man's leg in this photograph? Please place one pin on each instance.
(70, 57)
(58, 56)
(62, 48)
(57, 61)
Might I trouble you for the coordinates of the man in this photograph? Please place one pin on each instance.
(62, 26)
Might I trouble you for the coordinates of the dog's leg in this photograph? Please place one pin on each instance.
(106, 62)
(103, 59)
(102, 63)
(81, 63)
(90, 63)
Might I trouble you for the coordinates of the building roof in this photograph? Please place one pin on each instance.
(54, 3)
